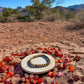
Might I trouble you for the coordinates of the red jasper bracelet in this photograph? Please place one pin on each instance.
(39, 65)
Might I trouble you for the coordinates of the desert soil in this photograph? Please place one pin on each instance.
(24, 33)
(19, 36)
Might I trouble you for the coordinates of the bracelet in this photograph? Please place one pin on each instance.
(39, 65)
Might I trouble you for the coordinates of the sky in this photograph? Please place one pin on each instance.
(23, 3)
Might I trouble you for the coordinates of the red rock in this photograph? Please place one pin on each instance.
(27, 81)
(40, 80)
(5, 78)
(52, 83)
(8, 59)
(36, 51)
(49, 52)
(12, 54)
(33, 81)
(53, 73)
(59, 74)
(15, 61)
(4, 68)
(53, 48)
(23, 79)
(32, 50)
(36, 77)
(70, 60)
(45, 48)
(65, 65)
(77, 58)
(59, 49)
(2, 64)
(71, 68)
(63, 59)
(56, 61)
(27, 76)
(40, 48)
(56, 53)
(61, 55)
(69, 56)
(11, 74)
(25, 53)
(49, 73)
(21, 54)
(59, 61)
(32, 76)
(56, 83)
(8, 81)
(10, 69)
(44, 51)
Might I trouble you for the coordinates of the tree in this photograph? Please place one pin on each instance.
(10, 14)
(35, 2)
(31, 10)
(38, 7)
(16, 11)
(43, 2)
(7, 12)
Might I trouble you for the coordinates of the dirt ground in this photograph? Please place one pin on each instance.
(23, 33)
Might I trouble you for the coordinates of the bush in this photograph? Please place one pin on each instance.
(7, 12)
(12, 18)
(2, 18)
(51, 15)
(24, 19)
(79, 19)
(9, 15)
(68, 15)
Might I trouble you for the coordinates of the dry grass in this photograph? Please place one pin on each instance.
(51, 17)
(79, 19)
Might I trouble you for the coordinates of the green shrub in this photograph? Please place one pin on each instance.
(10, 15)
(2, 18)
(24, 19)
(7, 12)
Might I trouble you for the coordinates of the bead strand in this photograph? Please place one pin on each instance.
(40, 65)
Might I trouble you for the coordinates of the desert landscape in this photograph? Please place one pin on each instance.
(41, 42)
(17, 37)
(17, 34)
